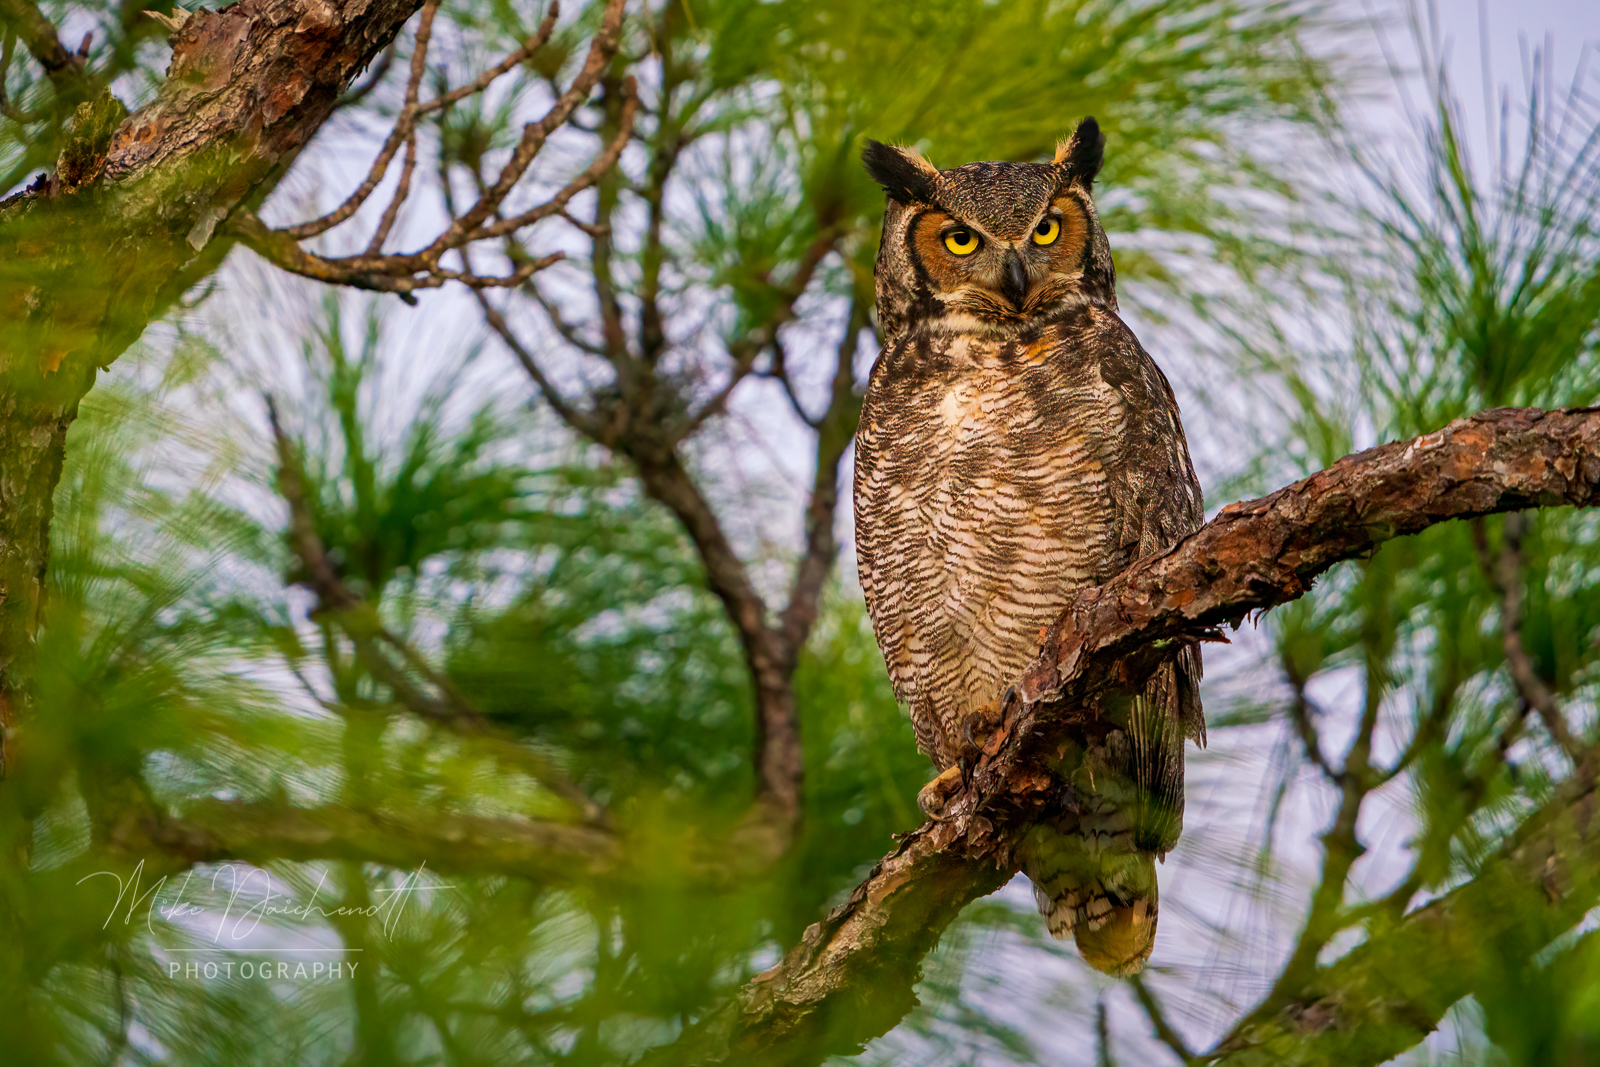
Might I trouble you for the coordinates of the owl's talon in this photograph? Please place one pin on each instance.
(935, 797)
(977, 727)
(1009, 711)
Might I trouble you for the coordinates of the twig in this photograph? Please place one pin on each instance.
(835, 432)
(558, 322)
(540, 38)
(1158, 1019)
(746, 350)
(379, 71)
(779, 372)
(407, 272)
(534, 134)
(578, 420)
(397, 136)
(1506, 579)
(1300, 715)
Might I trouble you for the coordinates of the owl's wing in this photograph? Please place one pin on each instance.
(1159, 496)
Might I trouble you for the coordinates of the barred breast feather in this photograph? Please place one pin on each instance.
(993, 479)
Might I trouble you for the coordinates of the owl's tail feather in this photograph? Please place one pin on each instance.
(1093, 859)
(1102, 896)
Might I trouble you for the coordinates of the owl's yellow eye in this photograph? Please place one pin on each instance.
(961, 242)
(1046, 232)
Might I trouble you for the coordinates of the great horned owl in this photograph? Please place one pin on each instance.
(1016, 445)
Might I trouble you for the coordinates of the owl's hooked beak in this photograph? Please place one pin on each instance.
(1015, 283)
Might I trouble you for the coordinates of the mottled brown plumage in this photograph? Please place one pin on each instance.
(1016, 445)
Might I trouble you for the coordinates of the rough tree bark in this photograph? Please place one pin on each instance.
(93, 253)
(851, 977)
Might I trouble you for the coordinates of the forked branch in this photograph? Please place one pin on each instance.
(485, 220)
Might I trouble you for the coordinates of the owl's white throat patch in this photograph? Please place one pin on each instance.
(961, 407)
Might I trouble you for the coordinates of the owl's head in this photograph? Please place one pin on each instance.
(987, 246)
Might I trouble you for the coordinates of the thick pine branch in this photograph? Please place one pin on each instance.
(851, 977)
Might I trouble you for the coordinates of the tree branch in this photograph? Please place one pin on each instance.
(850, 978)
(216, 830)
(835, 431)
(744, 351)
(404, 273)
(85, 265)
(779, 758)
(38, 34)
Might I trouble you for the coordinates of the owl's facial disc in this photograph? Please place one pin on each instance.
(1022, 271)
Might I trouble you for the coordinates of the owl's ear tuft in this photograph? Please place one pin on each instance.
(1081, 155)
(903, 172)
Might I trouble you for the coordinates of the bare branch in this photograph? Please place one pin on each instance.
(534, 134)
(779, 372)
(835, 431)
(850, 977)
(779, 758)
(744, 351)
(539, 39)
(583, 422)
(404, 273)
(600, 252)
(558, 322)
(586, 179)
(640, 421)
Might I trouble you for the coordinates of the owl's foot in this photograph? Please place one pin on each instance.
(935, 797)
(980, 730)
(986, 728)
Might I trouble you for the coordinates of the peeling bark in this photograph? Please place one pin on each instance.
(92, 254)
(850, 979)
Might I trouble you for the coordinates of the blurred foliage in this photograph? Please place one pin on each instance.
(1466, 284)
(573, 615)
